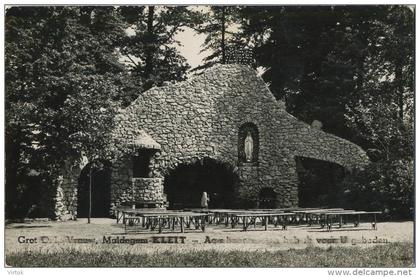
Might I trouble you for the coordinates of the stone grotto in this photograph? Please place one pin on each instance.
(222, 132)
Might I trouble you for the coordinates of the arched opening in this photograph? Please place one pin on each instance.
(267, 198)
(318, 182)
(185, 184)
(100, 176)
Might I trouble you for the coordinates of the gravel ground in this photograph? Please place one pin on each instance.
(54, 236)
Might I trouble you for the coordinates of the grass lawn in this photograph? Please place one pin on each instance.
(390, 255)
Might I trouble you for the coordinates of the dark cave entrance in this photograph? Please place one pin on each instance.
(101, 191)
(319, 182)
(185, 184)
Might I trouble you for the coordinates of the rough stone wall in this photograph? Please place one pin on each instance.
(66, 194)
(201, 118)
(148, 189)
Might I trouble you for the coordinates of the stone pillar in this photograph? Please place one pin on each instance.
(66, 195)
(147, 190)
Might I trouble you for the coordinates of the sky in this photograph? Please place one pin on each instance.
(191, 42)
(191, 46)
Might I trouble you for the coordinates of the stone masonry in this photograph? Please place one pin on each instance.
(201, 117)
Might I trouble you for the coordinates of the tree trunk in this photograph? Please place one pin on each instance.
(149, 40)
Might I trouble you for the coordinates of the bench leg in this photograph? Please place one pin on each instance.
(374, 222)
(357, 222)
(284, 223)
(182, 225)
(329, 223)
(203, 223)
(265, 223)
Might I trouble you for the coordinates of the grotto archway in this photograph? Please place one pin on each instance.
(319, 182)
(185, 184)
(101, 190)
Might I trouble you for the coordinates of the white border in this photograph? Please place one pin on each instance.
(171, 271)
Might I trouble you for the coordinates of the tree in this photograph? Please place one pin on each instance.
(150, 47)
(293, 43)
(352, 68)
(218, 24)
(63, 78)
(320, 60)
(386, 186)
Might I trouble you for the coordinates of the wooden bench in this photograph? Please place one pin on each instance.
(313, 215)
(340, 218)
(250, 218)
(121, 212)
(167, 219)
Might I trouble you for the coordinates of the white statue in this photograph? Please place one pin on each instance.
(249, 145)
(205, 200)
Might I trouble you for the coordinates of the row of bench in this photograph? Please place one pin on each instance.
(149, 219)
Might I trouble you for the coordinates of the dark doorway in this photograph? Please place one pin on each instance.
(185, 184)
(141, 163)
(267, 198)
(318, 182)
(101, 191)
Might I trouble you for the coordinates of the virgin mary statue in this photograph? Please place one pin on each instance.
(249, 145)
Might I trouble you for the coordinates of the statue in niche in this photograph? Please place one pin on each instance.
(249, 147)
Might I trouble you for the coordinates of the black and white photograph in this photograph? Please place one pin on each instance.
(217, 136)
